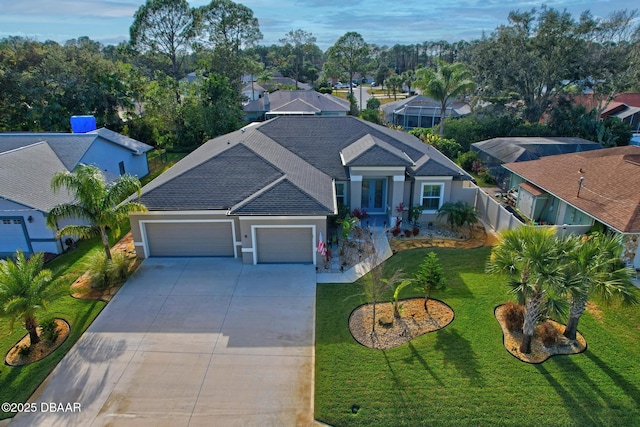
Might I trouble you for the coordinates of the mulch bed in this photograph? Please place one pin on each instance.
(40, 350)
(539, 353)
(413, 322)
(479, 238)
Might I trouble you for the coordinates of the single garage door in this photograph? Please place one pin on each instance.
(189, 238)
(12, 236)
(284, 245)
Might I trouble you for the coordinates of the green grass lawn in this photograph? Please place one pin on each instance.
(18, 383)
(462, 375)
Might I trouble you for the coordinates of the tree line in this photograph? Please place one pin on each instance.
(533, 65)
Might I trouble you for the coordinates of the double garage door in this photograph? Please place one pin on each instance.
(216, 239)
(12, 236)
(190, 239)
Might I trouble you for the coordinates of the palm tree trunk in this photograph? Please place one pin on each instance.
(31, 325)
(531, 314)
(105, 242)
(577, 307)
(443, 113)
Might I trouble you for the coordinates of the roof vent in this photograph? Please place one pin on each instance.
(634, 159)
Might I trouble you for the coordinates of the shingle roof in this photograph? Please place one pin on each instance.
(609, 189)
(286, 165)
(519, 149)
(372, 151)
(279, 98)
(25, 174)
(70, 147)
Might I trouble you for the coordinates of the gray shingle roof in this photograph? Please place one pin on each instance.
(518, 149)
(25, 174)
(287, 165)
(372, 151)
(279, 98)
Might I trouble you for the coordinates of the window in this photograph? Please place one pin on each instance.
(17, 221)
(431, 197)
(341, 193)
(121, 166)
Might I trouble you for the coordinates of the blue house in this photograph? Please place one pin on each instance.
(28, 161)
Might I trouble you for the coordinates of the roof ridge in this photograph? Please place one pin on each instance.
(257, 194)
(24, 147)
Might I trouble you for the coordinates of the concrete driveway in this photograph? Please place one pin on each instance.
(193, 342)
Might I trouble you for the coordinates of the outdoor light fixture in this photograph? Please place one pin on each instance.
(30, 219)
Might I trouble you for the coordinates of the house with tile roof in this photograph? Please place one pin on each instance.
(28, 161)
(495, 152)
(265, 192)
(575, 191)
(295, 103)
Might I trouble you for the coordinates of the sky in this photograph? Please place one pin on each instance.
(381, 22)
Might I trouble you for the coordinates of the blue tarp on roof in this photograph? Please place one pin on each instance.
(83, 124)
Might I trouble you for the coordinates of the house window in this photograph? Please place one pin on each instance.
(341, 193)
(431, 197)
(121, 166)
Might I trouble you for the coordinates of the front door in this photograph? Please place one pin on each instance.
(374, 194)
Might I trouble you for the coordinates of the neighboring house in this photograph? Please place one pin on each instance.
(575, 191)
(497, 151)
(251, 92)
(626, 107)
(295, 103)
(265, 193)
(28, 161)
(420, 111)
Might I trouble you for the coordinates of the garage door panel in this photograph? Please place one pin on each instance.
(284, 245)
(12, 236)
(190, 239)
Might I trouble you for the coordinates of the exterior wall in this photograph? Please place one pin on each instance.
(39, 237)
(445, 196)
(108, 155)
(631, 250)
(137, 221)
(247, 223)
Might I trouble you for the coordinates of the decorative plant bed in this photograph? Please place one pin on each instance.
(39, 350)
(392, 331)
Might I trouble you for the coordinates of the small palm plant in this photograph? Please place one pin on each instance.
(25, 289)
(458, 214)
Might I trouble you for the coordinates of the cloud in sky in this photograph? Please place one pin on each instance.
(380, 22)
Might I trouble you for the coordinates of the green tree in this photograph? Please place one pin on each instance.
(530, 257)
(448, 147)
(164, 27)
(594, 268)
(299, 46)
(429, 277)
(25, 289)
(408, 78)
(348, 56)
(103, 205)
(458, 214)
(447, 83)
(227, 28)
(393, 84)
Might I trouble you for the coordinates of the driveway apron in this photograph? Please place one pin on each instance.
(192, 342)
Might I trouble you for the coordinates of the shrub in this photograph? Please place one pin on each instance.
(513, 316)
(118, 269)
(98, 270)
(415, 231)
(407, 233)
(359, 213)
(24, 350)
(547, 333)
(49, 330)
(395, 231)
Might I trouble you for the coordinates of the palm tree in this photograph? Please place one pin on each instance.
(458, 214)
(100, 203)
(25, 288)
(394, 84)
(594, 267)
(445, 84)
(531, 259)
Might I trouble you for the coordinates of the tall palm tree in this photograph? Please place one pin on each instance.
(445, 84)
(531, 259)
(25, 288)
(101, 204)
(594, 268)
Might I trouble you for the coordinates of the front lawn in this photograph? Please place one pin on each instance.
(462, 374)
(18, 383)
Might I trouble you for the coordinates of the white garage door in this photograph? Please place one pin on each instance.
(284, 245)
(190, 239)
(12, 236)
